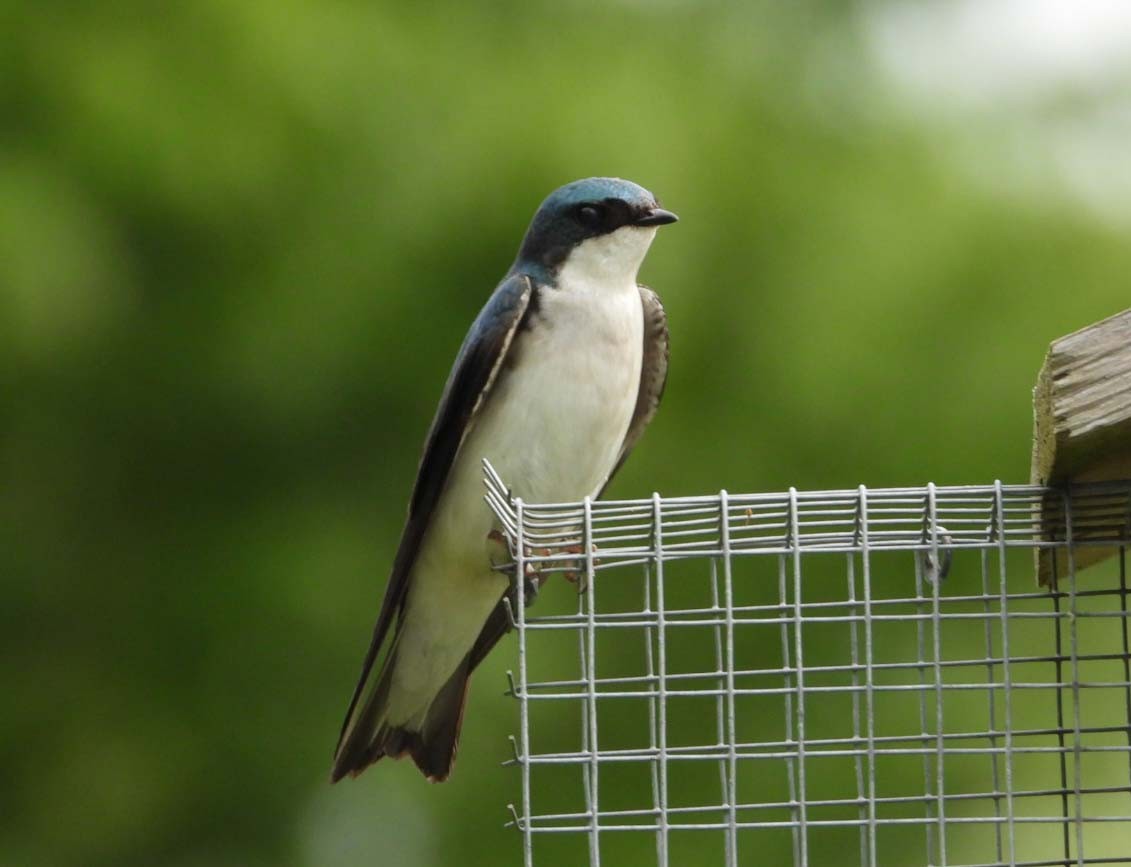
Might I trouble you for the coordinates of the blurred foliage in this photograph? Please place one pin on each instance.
(239, 246)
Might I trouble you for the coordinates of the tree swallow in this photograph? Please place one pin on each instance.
(555, 382)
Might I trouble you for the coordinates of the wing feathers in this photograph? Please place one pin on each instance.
(653, 374)
(476, 368)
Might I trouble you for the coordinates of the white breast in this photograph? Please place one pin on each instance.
(555, 426)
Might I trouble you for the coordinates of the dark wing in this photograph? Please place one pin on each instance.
(477, 365)
(653, 375)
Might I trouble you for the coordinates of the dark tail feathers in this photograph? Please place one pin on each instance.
(433, 748)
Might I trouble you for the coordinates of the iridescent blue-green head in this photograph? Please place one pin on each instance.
(595, 217)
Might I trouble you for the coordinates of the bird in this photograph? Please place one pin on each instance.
(559, 375)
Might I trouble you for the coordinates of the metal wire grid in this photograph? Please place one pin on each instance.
(768, 677)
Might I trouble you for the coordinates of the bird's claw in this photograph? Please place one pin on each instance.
(531, 584)
(577, 575)
(533, 578)
(936, 569)
(530, 587)
(498, 549)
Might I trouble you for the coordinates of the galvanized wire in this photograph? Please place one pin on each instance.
(1013, 701)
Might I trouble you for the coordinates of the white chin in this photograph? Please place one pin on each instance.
(614, 257)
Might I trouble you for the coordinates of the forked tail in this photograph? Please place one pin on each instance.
(368, 736)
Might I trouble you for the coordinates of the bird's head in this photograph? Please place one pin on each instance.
(601, 227)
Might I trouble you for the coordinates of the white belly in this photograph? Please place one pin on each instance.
(553, 428)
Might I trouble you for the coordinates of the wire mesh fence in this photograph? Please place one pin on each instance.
(789, 678)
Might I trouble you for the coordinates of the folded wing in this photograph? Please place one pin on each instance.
(481, 357)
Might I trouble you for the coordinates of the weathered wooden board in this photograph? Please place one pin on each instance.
(1082, 425)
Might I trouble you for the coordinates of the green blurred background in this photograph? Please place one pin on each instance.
(241, 242)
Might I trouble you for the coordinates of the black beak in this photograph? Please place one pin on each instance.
(655, 217)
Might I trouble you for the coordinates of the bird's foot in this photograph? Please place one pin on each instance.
(577, 573)
(534, 578)
(496, 535)
(935, 569)
(498, 549)
(531, 584)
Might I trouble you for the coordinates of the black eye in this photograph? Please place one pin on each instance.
(590, 215)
